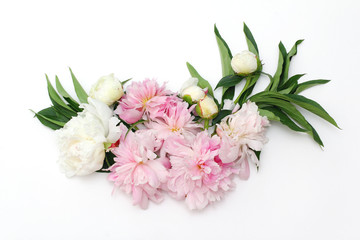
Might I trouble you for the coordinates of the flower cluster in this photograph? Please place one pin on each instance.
(187, 144)
(171, 152)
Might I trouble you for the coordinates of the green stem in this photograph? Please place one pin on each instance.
(248, 80)
(206, 124)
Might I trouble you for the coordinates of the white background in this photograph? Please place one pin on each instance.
(300, 192)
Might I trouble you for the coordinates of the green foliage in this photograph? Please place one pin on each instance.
(202, 82)
(61, 112)
(80, 92)
(280, 99)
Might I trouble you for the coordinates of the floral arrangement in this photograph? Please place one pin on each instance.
(188, 144)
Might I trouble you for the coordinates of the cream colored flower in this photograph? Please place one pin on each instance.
(191, 92)
(107, 89)
(244, 63)
(81, 141)
(207, 108)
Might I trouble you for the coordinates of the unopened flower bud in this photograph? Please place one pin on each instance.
(191, 92)
(207, 108)
(244, 63)
(107, 89)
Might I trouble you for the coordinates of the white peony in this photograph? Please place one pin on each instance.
(244, 63)
(81, 140)
(107, 89)
(191, 90)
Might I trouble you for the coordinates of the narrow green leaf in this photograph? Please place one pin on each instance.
(225, 54)
(286, 107)
(48, 122)
(291, 81)
(202, 82)
(225, 58)
(284, 119)
(220, 116)
(80, 92)
(108, 162)
(311, 106)
(291, 53)
(299, 100)
(73, 104)
(316, 136)
(228, 94)
(250, 40)
(124, 82)
(305, 85)
(270, 115)
(58, 102)
(276, 79)
(229, 81)
(51, 113)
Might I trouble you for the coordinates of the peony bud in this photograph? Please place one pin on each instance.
(207, 108)
(244, 63)
(107, 89)
(191, 92)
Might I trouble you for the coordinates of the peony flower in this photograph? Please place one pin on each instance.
(137, 169)
(81, 140)
(244, 63)
(207, 108)
(176, 121)
(141, 97)
(107, 89)
(191, 92)
(197, 174)
(241, 134)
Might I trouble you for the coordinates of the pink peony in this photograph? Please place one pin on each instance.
(175, 121)
(197, 174)
(241, 134)
(137, 169)
(142, 97)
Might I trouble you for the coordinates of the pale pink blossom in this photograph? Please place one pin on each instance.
(197, 173)
(142, 98)
(241, 134)
(137, 169)
(176, 121)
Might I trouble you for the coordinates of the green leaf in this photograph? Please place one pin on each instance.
(80, 92)
(51, 113)
(228, 94)
(291, 53)
(202, 82)
(49, 122)
(299, 100)
(58, 102)
(286, 107)
(124, 82)
(311, 106)
(229, 81)
(108, 162)
(270, 115)
(225, 57)
(305, 85)
(225, 54)
(293, 80)
(316, 136)
(273, 86)
(220, 116)
(73, 104)
(284, 119)
(250, 40)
